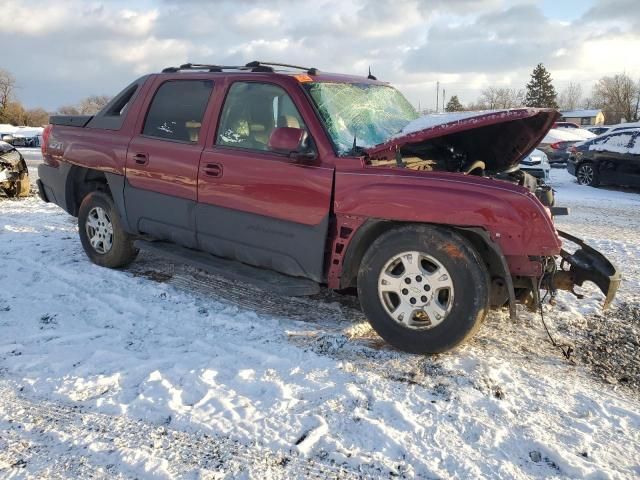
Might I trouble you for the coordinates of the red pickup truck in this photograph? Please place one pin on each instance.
(290, 178)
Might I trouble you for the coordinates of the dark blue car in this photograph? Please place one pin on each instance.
(612, 159)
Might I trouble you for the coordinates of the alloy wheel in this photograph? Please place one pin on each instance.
(99, 230)
(416, 290)
(585, 174)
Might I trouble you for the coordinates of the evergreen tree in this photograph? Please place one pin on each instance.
(454, 105)
(540, 90)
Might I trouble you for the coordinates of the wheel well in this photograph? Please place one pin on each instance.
(372, 229)
(362, 239)
(82, 181)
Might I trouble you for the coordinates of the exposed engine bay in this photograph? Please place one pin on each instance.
(445, 158)
(14, 175)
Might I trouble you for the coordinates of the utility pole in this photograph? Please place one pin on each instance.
(443, 96)
(437, 95)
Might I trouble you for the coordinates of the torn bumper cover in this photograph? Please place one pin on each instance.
(587, 264)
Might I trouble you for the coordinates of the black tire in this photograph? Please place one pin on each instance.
(587, 174)
(122, 252)
(468, 275)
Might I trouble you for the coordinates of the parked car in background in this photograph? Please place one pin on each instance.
(625, 126)
(537, 164)
(557, 142)
(603, 129)
(14, 176)
(599, 129)
(565, 125)
(612, 159)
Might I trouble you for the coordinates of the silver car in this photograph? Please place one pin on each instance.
(537, 164)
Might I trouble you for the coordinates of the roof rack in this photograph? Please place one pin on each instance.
(254, 66)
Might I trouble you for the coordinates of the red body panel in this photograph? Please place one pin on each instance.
(97, 149)
(514, 217)
(267, 183)
(274, 186)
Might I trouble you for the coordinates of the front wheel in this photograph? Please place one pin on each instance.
(103, 238)
(587, 175)
(424, 289)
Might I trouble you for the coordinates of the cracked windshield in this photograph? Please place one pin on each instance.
(369, 113)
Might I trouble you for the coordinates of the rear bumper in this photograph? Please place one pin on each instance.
(52, 184)
(587, 264)
(41, 192)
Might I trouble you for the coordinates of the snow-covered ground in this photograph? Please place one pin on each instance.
(161, 371)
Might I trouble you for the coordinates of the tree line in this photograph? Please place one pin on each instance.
(13, 112)
(618, 97)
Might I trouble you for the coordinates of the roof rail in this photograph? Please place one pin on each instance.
(254, 66)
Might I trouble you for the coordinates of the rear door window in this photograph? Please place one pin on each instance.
(617, 141)
(177, 110)
(252, 111)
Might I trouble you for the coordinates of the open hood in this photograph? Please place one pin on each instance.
(499, 138)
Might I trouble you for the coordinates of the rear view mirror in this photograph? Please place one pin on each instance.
(289, 141)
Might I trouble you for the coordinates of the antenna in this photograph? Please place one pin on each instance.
(371, 77)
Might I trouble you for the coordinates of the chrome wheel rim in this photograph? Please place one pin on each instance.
(585, 175)
(99, 230)
(416, 290)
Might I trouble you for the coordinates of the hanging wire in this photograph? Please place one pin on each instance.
(566, 350)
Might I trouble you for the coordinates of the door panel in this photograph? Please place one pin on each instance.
(264, 210)
(162, 160)
(613, 158)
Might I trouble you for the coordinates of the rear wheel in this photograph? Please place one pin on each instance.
(424, 289)
(103, 238)
(587, 174)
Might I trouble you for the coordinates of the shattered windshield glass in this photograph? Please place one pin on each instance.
(370, 113)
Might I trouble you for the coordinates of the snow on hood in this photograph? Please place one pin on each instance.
(435, 119)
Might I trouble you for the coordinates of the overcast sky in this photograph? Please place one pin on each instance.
(62, 50)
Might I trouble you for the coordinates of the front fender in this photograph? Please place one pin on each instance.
(512, 216)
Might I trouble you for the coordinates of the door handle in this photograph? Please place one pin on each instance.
(213, 169)
(141, 158)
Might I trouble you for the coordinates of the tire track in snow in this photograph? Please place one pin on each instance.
(47, 439)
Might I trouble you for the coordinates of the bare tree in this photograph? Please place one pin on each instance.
(570, 97)
(87, 106)
(617, 96)
(36, 117)
(93, 104)
(492, 98)
(68, 110)
(7, 86)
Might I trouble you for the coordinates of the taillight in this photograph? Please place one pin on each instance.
(556, 145)
(46, 156)
(46, 133)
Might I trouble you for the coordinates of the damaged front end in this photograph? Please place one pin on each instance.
(585, 264)
(14, 175)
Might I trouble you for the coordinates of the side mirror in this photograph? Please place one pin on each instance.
(289, 141)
